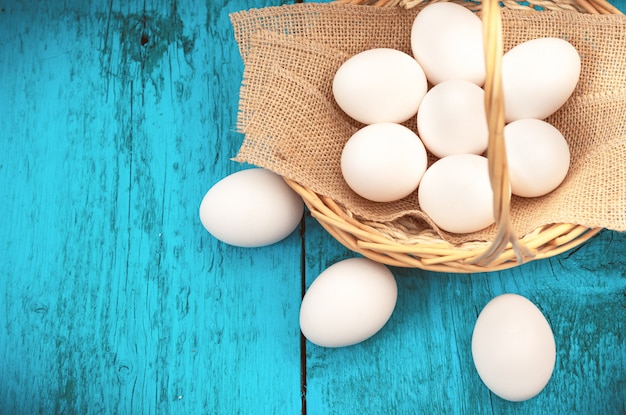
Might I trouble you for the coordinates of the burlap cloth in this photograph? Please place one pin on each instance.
(293, 127)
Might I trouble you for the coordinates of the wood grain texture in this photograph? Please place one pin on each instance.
(117, 117)
(420, 362)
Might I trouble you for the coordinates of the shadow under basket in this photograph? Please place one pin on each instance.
(387, 244)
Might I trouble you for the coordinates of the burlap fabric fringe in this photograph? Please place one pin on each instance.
(293, 127)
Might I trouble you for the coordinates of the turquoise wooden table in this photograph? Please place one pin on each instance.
(115, 118)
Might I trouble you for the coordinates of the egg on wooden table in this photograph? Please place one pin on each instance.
(447, 41)
(251, 208)
(513, 348)
(383, 162)
(538, 157)
(348, 303)
(455, 192)
(538, 77)
(379, 85)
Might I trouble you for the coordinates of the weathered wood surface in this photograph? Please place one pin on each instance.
(116, 117)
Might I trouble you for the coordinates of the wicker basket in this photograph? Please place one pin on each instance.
(398, 247)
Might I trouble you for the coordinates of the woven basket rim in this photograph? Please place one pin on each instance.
(429, 252)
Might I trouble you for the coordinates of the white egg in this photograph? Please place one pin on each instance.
(451, 119)
(447, 41)
(379, 85)
(348, 303)
(538, 157)
(383, 162)
(513, 348)
(538, 77)
(456, 193)
(251, 208)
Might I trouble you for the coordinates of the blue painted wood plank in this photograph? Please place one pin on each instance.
(420, 362)
(117, 117)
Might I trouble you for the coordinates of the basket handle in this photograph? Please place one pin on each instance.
(496, 152)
